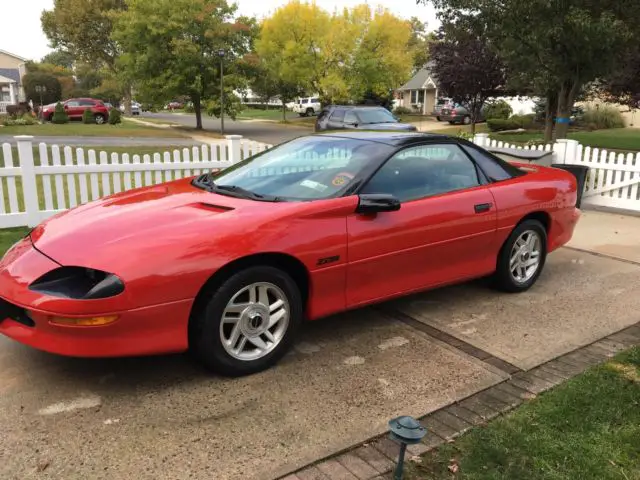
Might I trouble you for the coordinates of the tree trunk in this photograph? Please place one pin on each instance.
(552, 106)
(566, 97)
(127, 100)
(197, 108)
(284, 112)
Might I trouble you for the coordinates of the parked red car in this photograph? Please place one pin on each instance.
(75, 107)
(229, 264)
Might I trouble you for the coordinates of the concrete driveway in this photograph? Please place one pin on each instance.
(164, 418)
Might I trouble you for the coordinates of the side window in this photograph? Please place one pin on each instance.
(315, 100)
(87, 103)
(337, 115)
(350, 118)
(494, 168)
(304, 100)
(424, 171)
(73, 103)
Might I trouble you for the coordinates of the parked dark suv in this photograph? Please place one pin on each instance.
(342, 117)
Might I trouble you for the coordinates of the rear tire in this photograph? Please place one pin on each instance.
(466, 120)
(99, 119)
(310, 112)
(248, 323)
(522, 257)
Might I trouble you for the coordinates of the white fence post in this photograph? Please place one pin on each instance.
(560, 150)
(29, 186)
(481, 139)
(571, 152)
(234, 144)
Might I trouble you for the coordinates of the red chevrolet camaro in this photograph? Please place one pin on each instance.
(229, 264)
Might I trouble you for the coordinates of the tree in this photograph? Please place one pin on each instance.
(171, 47)
(623, 85)
(467, 69)
(53, 90)
(572, 42)
(419, 43)
(84, 29)
(62, 74)
(341, 56)
(61, 58)
(383, 58)
(265, 81)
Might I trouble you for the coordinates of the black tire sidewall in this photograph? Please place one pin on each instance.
(504, 279)
(206, 338)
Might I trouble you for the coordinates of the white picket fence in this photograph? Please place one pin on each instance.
(64, 177)
(613, 179)
(37, 181)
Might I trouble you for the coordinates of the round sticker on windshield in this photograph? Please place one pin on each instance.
(341, 179)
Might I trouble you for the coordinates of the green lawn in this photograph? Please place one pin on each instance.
(613, 138)
(258, 114)
(9, 236)
(124, 129)
(587, 428)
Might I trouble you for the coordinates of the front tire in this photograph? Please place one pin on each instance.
(99, 119)
(310, 112)
(522, 257)
(248, 323)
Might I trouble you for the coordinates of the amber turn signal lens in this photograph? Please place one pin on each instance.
(84, 322)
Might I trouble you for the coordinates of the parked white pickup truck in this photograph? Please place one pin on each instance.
(307, 106)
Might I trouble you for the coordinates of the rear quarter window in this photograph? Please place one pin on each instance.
(493, 167)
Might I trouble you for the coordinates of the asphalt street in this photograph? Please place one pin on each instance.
(158, 141)
(266, 132)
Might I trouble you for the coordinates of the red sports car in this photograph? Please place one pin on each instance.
(229, 264)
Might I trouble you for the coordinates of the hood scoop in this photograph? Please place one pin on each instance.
(212, 207)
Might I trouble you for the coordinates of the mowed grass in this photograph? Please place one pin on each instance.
(587, 428)
(75, 179)
(274, 113)
(79, 129)
(9, 236)
(612, 138)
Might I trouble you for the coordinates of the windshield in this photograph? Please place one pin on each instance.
(307, 168)
(375, 115)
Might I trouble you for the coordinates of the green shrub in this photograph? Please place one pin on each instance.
(59, 115)
(26, 119)
(87, 116)
(402, 111)
(514, 122)
(189, 108)
(603, 116)
(115, 116)
(499, 109)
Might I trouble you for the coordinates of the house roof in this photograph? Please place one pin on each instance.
(6, 80)
(13, 55)
(420, 79)
(11, 74)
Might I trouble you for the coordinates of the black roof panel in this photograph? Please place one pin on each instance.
(389, 137)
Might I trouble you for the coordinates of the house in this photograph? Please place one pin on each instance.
(12, 69)
(420, 93)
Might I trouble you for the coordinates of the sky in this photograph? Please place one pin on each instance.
(29, 42)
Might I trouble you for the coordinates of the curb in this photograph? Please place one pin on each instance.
(375, 458)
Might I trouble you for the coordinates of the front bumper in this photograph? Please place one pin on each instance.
(26, 316)
(145, 331)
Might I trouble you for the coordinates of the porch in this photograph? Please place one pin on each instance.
(8, 93)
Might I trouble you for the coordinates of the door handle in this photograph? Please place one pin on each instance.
(482, 207)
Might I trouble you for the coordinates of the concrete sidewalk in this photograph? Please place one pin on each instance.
(609, 234)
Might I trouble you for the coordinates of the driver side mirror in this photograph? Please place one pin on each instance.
(377, 202)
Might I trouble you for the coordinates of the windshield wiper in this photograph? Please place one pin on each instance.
(205, 182)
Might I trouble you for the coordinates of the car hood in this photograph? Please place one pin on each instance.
(388, 126)
(117, 229)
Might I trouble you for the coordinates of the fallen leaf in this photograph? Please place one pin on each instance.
(43, 464)
(453, 468)
(415, 459)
